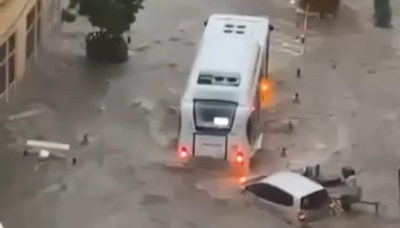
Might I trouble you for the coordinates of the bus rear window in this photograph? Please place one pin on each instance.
(315, 200)
(214, 114)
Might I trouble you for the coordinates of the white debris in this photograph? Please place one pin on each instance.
(141, 48)
(43, 154)
(144, 104)
(47, 144)
(320, 146)
(23, 115)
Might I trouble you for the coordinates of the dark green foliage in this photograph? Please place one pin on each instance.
(67, 16)
(110, 16)
(382, 13)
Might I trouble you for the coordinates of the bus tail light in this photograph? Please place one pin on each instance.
(183, 153)
(239, 158)
(301, 216)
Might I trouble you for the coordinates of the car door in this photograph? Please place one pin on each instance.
(271, 199)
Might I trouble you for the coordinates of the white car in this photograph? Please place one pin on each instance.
(290, 196)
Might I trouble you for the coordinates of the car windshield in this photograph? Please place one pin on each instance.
(214, 115)
(315, 200)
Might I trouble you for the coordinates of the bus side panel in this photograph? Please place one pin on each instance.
(186, 131)
(238, 136)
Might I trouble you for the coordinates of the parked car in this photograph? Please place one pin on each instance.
(290, 196)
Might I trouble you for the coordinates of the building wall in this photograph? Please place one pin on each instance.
(23, 25)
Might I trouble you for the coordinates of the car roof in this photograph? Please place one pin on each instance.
(292, 183)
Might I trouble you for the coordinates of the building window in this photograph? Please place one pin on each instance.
(11, 58)
(7, 59)
(3, 52)
(30, 28)
(3, 77)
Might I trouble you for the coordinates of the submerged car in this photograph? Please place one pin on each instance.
(290, 196)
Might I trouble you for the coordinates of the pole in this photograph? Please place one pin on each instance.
(304, 32)
(398, 177)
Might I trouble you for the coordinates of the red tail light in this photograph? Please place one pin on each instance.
(183, 153)
(239, 158)
(301, 216)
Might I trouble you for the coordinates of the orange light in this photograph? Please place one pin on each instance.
(239, 158)
(267, 92)
(242, 180)
(264, 87)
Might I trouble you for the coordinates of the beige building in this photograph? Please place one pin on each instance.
(23, 24)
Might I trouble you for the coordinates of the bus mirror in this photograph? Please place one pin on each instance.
(271, 28)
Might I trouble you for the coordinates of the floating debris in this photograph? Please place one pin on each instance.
(144, 104)
(333, 64)
(142, 48)
(23, 115)
(85, 139)
(174, 39)
(283, 152)
(296, 98)
(172, 65)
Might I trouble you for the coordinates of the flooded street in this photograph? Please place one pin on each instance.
(123, 177)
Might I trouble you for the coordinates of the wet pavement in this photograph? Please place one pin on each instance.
(348, 114)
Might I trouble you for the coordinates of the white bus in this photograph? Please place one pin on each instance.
(220, 107)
